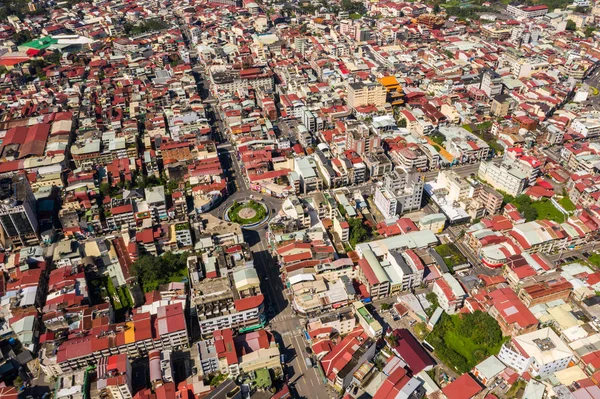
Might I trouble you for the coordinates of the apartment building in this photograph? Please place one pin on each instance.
(543, 236)
(310, 180)
(402, 192)
(491, 83)
(367, 321)
(523, 11)
(226, 79)
(366, 93)
(157, 203)
(18, 213)
(408, 271)
(371, 273)
(451, 296)
(504, 176)
(218, 305)
(588, 126)
(540, 353)
(134, 338)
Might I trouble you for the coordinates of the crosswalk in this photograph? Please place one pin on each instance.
(283, 317)
(293, 333)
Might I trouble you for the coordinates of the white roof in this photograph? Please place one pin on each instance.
(490, 367)
(300, 278)
(555, 349)
(534, 390)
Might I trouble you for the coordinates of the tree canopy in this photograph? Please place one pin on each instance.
(359, 232)
(464, 340)
(155, 270)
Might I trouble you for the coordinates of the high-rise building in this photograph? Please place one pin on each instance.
(17, 212)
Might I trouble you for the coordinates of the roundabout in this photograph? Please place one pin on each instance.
(247, 213)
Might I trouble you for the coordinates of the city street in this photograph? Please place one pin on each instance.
(462, 170)
(284, 324)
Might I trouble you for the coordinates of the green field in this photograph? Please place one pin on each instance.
(594, 260)
(464, 340)
(566, 203)
(547, 210)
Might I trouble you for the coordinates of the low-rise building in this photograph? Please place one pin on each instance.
(540, 353)
(451, 296)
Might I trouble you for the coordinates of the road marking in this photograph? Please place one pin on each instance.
(300, 349)
(261, 246)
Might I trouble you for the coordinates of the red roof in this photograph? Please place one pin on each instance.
(411, 351)
(464, 387)
(35, 142)
(225, 346)
(249, 303)
(117, 210)
(392, 385)
(511, 309)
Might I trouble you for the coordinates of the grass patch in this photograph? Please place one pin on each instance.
(514, 388)
(178, 277)
(217, 379)
(462, 341)
(485, 125)
(546, 210)
(152, 271)
(567, 204)
(451, 254)
(234, 212)
(438, 138)
(115, 298)
(125, 297)
(263, 379)
(594, 260)
(468, 127)
(354, 16)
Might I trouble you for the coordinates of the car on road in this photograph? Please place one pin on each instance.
(308, 362)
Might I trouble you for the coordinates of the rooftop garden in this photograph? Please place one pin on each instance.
(451, 255)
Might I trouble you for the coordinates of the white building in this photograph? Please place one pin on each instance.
(491, 83)
(401, 192)
(409, 276)
(523, 11)
(504, 176)
(587, 126)
(450, 294)
(540, 353)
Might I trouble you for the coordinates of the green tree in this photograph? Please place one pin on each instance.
(433, 300)
(402, 122)
(152, 271)
(23, 36)
(172, 185)
(358, 231)
(589, 31)
(530, 213)
(571, 25)
(104, 189)
(354, 7)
